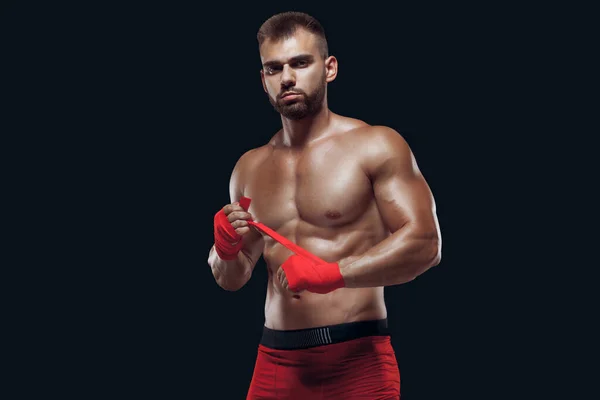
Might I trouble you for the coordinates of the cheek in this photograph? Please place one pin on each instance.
(272, 87)
(311, 80)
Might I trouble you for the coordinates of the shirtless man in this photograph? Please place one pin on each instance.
(351, 196)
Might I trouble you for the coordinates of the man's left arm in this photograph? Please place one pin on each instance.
(408, 209)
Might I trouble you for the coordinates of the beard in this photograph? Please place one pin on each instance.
(307, 105)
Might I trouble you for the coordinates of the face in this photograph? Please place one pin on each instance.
(295, 76)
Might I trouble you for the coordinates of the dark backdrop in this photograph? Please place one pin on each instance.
(135, 115)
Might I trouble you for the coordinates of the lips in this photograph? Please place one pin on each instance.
(286, 94)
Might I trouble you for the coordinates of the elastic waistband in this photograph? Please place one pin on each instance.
(312, 337)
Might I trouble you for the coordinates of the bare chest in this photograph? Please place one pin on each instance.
(324, 187)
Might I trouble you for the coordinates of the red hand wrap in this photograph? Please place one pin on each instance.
(303, 270)
(304, 274)
(225, 234)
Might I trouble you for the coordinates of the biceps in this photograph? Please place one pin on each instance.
(405, 200)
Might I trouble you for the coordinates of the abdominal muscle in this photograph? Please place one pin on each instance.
(285, 310)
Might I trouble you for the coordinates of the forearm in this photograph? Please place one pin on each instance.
(398, 259)
(231, 275)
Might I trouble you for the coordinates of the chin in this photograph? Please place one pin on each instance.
(294, 111)
(294, 115)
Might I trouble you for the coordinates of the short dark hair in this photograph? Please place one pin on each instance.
(285, 24)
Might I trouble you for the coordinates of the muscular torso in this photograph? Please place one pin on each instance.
(320, 198)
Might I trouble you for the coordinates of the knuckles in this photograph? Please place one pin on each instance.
(238, 215)
(239, 223)
(229, 208)
(242, 231)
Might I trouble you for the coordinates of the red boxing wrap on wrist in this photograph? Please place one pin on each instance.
(225, 235)
(303, 270)
(304, 274)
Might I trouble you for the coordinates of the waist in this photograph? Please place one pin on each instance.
(323, 335)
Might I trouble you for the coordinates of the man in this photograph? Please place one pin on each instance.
(343, 212)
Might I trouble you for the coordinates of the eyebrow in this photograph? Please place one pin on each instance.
(301, 57)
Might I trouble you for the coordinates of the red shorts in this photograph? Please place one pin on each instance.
(361, 368)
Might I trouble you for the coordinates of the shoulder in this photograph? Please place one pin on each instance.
(251, 158)
(379, 140)
(384, 147)
(375, 135)
(247, 162)
(381, 134)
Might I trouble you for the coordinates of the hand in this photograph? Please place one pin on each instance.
(238, 218)
(230, 225)
(284, 282)
(299, 273)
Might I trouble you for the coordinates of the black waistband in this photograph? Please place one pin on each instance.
(312, 337)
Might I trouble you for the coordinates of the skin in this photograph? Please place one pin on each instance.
(344, 190)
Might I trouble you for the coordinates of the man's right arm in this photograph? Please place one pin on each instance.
(233, 274)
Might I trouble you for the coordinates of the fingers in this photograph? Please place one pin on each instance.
(241, 226)
(285, 284)
(237, 215)
(282, 278)
(240, 223)
(238, 218)
(242, 231)
(235, 212)
(229, 208)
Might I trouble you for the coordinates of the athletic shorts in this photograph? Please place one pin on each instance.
(347, 361)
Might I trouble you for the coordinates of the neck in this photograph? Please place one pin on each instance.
(297, 133)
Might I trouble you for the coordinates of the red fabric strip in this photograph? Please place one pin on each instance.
(245, 204)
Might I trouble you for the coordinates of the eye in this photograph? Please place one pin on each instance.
(301, 64)
(270, 70)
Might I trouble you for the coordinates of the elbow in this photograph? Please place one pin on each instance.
(435, 253)
(230, 288)
(211, 256)
(431, 256)
(231, 283)
(430, 248)
(435, 261)
(227, 284)
(428, 255)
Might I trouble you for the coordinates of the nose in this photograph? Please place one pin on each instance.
(288, 79)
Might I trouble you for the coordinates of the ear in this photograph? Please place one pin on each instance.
(262, 79)
(331, 68)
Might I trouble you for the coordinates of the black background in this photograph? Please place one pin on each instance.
(132, 117)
